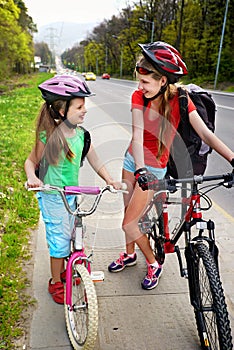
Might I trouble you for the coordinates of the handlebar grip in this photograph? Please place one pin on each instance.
(124, 186)
(82, 189)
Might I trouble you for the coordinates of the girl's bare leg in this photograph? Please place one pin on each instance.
(134, 211)
(129, 179)
(57, 266)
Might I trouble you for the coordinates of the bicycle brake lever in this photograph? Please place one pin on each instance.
(229, 180)
(171, 186)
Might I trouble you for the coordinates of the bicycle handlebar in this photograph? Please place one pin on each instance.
(76, 190)
(171, 185)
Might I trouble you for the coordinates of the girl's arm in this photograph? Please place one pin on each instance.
(137, 138)
(209, 137)
(31, 164)
(100, 169)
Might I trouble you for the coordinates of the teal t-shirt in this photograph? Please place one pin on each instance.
(66, 172)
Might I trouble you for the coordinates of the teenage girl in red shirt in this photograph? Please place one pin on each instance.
(153, 130)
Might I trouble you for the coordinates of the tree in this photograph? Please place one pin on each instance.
(192, 26)
(16, 44)
(42, 50)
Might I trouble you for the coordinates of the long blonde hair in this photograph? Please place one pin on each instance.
(164, 105)
(48, 121)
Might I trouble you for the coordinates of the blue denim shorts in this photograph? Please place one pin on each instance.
(59, 224)
(129, 165)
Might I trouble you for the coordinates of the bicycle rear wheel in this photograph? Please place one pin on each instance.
(208, 300)
(82, 319)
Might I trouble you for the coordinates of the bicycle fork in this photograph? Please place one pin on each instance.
(78, 257)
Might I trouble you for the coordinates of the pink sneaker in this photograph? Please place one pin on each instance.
(152, 277)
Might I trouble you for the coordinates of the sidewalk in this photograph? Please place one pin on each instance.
(128, 315)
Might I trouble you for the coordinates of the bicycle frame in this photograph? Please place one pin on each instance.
(191, 213)
(201, 254)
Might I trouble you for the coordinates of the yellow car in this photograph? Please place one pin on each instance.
(90, 76)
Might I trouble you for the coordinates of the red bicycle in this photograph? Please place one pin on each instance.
(200, 265)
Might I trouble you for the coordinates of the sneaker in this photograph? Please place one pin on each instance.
(123, 261)
(151, 279)
(57, 291)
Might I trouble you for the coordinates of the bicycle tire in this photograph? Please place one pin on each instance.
(156, 225)
(210, 309)
(82, 320)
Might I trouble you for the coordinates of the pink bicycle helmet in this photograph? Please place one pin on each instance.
(64, 87)
(166, 59)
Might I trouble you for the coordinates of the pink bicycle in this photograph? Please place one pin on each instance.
(81, 307)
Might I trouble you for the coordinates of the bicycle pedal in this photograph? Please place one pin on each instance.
(97, 276)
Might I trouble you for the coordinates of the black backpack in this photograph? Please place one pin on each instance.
(188, 153)
(42, 168)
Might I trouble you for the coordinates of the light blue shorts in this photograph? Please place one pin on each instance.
(129, 165)
(59, 224)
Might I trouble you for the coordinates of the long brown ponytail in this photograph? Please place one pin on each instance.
(48, 121)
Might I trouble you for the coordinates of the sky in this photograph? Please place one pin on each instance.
(82, 11)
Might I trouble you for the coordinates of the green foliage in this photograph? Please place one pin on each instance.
(192, 26)
(18, 208)
(16, 44)
(42, 50)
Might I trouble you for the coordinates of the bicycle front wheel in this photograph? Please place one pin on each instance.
(82, 319)
(209, 302)
(156, 234)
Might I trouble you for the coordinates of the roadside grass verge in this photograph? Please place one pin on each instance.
(18, 208)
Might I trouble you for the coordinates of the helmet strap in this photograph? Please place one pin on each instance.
(161, 91)
(64, 117)
(70, 125)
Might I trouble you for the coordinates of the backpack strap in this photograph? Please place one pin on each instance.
(183, 128)
(87, 143)
(42, 168)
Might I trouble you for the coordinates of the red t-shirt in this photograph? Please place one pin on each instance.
(152, 129)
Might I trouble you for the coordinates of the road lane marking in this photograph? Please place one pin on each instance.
(225, 107)
(223, 212)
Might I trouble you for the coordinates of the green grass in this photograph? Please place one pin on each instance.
(230, 89)
(18, 208)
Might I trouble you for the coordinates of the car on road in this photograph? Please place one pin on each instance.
(44, 68)
(105, 76)
(90, 76)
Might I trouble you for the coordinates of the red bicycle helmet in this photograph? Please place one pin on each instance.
(166, 59)
(64, 87)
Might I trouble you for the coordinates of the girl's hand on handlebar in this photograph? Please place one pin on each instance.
(116, 184)
(146, 180)
(33, 181)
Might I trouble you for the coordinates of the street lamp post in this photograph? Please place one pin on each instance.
(221, 44)
(106, 58)
(121, 57)
(152, 28)
(96, 62)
